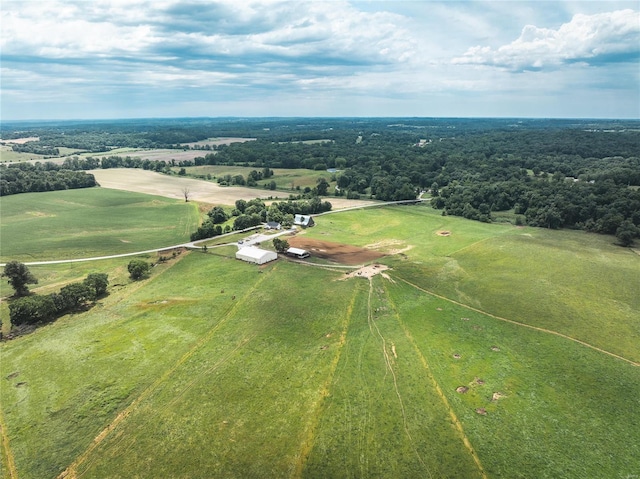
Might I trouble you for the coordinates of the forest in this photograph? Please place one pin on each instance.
(581, 174)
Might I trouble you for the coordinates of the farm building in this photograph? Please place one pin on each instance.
(305, 221)
(256, 255)
(298, 253)
(273, 225)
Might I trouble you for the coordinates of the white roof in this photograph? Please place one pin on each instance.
(252, 252)
(296, 251)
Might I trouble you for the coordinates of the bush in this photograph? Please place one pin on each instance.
(138, 269)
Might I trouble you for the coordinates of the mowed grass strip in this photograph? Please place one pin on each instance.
(535, 405)
(383, 417)
(90, 222)
(240, 406)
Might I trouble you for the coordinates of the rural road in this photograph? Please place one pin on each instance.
(194, 244)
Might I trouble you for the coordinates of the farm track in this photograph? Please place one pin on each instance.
(71, 471)
(8, 459)
(452, 414)
(307, 444)
(524, 325)
(389, 366)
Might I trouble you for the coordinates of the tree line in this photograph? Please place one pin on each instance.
(254, 212)
(30, 178)
(29, 308)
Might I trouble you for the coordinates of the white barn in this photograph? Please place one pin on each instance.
(256, 255)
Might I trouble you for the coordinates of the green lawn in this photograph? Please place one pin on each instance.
(90, 222)
(217, 368)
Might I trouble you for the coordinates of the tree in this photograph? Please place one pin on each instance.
(281, 245)
(32, 309)
(626, 232)
(218, 215)
(98, 283)
(322, 186)
(138, 269)
(186, 192)
(73, 297)
(19, 277)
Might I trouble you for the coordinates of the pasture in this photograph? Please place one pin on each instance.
(287, 179)
(461, 362)
(90, 222)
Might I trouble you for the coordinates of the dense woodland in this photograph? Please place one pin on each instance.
(580, 174)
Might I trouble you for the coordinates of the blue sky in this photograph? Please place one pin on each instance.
(190, 58)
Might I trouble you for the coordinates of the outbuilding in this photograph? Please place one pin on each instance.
(298, 253)
(254, 255)
(306, 221)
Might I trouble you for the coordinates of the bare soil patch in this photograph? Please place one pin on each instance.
(21, 141)
(151, 183)
(462, 389)
(497, 395)
(481, 411)
(336, 252)
(443, 233)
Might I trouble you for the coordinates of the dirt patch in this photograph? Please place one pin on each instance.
(456, 356)
(462, 389)
(391, 246)
(336, 252)
(369, 272)
(497, 395)
(443, 233)
(482, 411)
(495, 348)
(479, 381)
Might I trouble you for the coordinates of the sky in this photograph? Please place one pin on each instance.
(95, 59)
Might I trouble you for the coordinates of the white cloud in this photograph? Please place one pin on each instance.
(592, 39)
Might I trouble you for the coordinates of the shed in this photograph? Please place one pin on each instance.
(298, 253)
(256, 255)
(305, 221)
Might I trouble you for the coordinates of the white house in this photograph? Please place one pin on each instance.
(251, 254)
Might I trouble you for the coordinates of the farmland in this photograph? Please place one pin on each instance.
(485, 351)
(90, 222)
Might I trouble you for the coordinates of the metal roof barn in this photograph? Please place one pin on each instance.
(256, 255)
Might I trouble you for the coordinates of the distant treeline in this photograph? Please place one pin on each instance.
(30, 178)
(552, 173)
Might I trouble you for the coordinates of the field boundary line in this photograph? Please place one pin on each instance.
(388, 364)
(309, 440)
(452, 414)
(71, 471)
(517, 323)
(6, 449)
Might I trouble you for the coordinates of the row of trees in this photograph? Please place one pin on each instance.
(73, 297)
(254, 212)
(30, 178)
(28, 308)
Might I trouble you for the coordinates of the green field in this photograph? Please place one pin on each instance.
(216, 368)
(285, 178)
(90, 222)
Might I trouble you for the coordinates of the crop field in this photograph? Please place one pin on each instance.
(90, 222)
(209, 192)
(285, 178)
(482, 351)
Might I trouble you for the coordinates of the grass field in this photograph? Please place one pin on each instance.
(286, 179)
(90, 222)
(216, 368)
